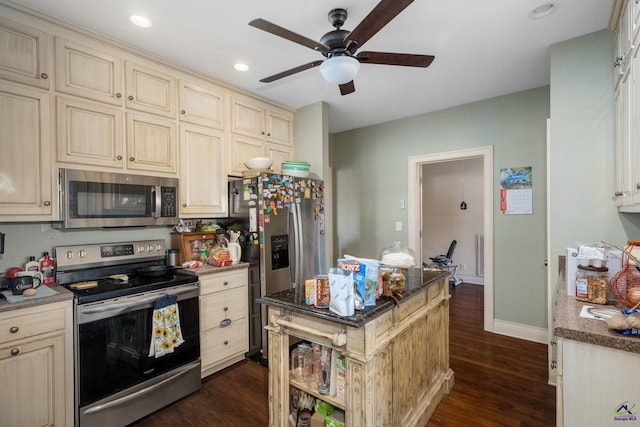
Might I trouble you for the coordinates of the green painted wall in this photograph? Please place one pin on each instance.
(582, 146)
(370, 179)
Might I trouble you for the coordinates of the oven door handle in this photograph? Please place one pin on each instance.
(125, 305)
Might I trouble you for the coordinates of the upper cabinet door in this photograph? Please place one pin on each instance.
(150, 90)
(279, 127)
(247, 117)
(24, 54)
(202, 104)
(26, 186)
(152, 143)
(88, 71)
(89, 133)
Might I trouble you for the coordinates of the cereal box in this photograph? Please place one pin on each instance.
(365, 276)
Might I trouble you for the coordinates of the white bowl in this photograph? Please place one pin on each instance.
(259, 163)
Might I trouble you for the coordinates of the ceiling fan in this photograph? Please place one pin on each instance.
(341, 63)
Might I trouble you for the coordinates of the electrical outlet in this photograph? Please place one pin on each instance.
(463, 267)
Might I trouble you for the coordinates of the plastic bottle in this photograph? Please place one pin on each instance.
(32, 264)
(48, 269)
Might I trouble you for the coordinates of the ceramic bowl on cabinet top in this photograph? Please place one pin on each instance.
(259, 163)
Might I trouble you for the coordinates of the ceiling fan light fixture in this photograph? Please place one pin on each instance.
(339, 69)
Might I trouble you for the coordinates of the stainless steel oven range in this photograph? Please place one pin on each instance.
(119, 377)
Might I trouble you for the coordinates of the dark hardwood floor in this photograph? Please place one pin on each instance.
(499, 381)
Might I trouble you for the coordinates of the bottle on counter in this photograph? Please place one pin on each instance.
(48, 269)
(32, 264)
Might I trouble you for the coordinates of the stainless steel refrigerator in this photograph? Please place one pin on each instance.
(284, 240)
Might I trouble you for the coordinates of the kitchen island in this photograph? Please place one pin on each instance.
(396, 355)
(597, 372)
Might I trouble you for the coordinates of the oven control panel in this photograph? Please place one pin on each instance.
(83, 256)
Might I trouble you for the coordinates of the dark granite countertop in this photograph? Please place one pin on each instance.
(285, 299)
(570, 325)
(63, 295)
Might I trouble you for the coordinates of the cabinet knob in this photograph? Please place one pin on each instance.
(45, 76)
(183, 112)
(118, 157)
(226, 308)
(131, 159)
(14, 329)
(638, 186)
(118, 95)
(226, 342)
(618, 193)
(225, 283)
(130, 98)
(263, 132)
(184, 205)
(15, 351)
(47, 203)
(268, 134)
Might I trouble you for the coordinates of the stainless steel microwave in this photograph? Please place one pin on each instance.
(108, 199)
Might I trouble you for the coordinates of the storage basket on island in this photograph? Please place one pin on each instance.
(295, 168)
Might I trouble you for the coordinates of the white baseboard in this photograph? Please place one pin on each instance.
(518, 330)
(474, 280)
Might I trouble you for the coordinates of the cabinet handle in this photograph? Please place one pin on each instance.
(118, 95)
(130, 98)
(225, 283)
(226, 342)
(47, 203)
(618, 193)
(183, 112)
(184, 205)
(15, 351)
(14, 329)
(131, 159)
(45, 76)
(118, 157)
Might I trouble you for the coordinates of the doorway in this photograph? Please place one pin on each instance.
(415, 226)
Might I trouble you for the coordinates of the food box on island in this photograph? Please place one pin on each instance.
(366, 276)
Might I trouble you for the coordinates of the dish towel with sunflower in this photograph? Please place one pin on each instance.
(166, 333)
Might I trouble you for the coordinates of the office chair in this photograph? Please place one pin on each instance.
(445, 262)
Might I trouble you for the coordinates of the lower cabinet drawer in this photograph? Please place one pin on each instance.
(221, 343)
(216, 307)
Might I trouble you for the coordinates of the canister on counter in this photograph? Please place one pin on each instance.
(171, 257)
(592, 284)
(323, 293)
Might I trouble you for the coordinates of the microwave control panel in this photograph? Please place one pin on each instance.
(169, 202)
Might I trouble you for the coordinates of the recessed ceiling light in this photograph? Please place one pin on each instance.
(241, 67)
(140, 21)
(543, 10)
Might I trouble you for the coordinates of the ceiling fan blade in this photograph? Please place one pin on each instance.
(289, 35)
(291, 71)
(380, 16)
(404, 59)
(347, 88)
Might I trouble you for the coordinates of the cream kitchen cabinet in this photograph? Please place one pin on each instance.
(27, 185)
(202, 103)
(93, 134)
(224, 329)
(24, 54)
(257, 119)
(150, 90)
(89, 70)
(203, 180)
(36, 366)
(244, 147)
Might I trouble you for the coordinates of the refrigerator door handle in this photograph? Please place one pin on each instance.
(300, 239)
(296, 245)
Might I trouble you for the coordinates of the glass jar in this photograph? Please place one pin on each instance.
(398, 256)
(298, 356)
(592, 284)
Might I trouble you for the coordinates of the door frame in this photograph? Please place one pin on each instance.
(415, 164)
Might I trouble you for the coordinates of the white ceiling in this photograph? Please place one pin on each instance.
(483, 48)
